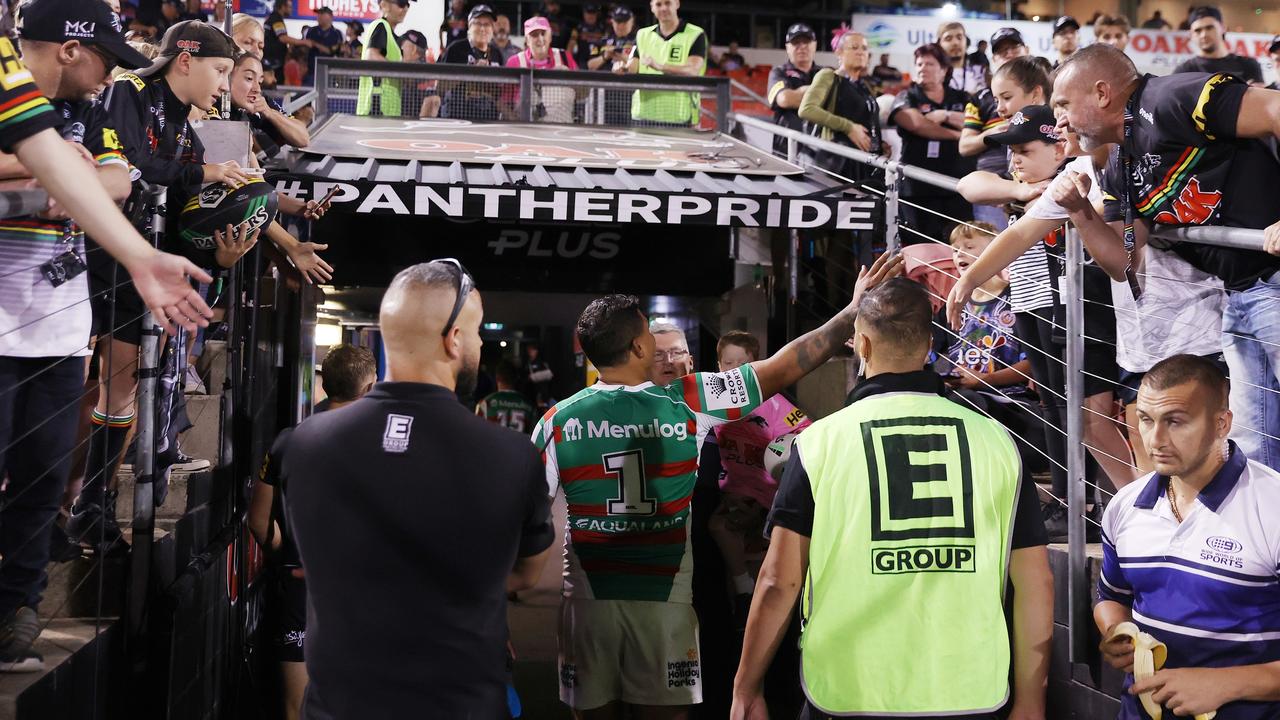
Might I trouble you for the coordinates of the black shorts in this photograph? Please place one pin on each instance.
(117, 308)
(286, 619)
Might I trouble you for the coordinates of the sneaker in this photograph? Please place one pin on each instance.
(1055, 520)
(90, 525)
(188, 464)
(191, 382)
(61, 547)
(18, 634)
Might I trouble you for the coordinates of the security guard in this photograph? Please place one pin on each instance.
(382, 44)
(672, 47)
(898, 514)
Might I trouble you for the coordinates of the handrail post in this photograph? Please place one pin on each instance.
(1078, 591)
(322, 87)
(891, 240)
(525, 110)
(793, 150)
(723, 104)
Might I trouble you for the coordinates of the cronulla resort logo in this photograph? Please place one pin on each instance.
(881, 34)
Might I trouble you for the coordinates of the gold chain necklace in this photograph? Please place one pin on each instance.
(1173, 503)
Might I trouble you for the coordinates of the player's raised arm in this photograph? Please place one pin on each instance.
(802, 355)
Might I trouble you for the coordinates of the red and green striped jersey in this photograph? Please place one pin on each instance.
(627, 458)
(507, 408)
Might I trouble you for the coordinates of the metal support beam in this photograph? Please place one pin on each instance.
(1078, 591)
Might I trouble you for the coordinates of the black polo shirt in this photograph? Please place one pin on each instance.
(1237, 66)
(1188, 168)
(938, 155)
(788, 77)
(793, 506)
(409, 512)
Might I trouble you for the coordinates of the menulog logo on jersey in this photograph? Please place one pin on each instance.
(572, 430)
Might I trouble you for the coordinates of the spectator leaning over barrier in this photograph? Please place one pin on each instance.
(378, 95)
(1066, 38)
(929, 115)
(1112, 30)
(349, 373)
(1209, 40)
(1007, 44)
(854, 534)
(671, 47)
(150, 104)
(387, 470)
(1038, 153)
(1216, 132)
(1207, 513)
(966, 75)
(44, 292)
(789, 81)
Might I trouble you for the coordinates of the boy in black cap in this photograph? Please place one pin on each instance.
(1212, 56)
(1066, 37)
(149, 109)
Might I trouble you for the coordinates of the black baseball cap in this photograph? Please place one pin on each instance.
(479, 11)
(800, 30)
(1033, 122)
(622, 13)
(1204, 11)
(1275, 44)
(1064, 23)
(416, 38)
(324, 10)
(91, 22)
(196, 37)
(1004, 36)
(591, 7)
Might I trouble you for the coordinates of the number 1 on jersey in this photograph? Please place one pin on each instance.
(632, 498)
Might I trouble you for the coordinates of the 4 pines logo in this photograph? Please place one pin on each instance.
(921, 487)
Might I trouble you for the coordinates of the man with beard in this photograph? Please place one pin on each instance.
(966, 75)
(393, 471)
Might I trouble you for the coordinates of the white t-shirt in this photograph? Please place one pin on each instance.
(1180, 310)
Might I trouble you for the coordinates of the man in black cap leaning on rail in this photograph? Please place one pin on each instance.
(409, 539)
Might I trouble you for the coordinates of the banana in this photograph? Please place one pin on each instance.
(1149, 655)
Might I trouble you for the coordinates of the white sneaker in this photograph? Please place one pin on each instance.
(191, 382)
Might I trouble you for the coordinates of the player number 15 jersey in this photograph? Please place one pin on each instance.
(627, 458)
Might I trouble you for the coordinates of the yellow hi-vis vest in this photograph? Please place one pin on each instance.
(914, 500)
(667, 106)
(387, 90)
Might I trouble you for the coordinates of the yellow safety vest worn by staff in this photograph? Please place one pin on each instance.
(387, 90)
(914, 499)
(667, 106)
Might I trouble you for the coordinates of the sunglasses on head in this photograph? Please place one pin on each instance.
(465, 286)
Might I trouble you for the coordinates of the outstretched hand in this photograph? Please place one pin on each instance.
(163, 281)
(305, 256)
(888, 265)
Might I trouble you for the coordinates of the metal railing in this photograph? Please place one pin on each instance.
(1072, 289)
(470, 92)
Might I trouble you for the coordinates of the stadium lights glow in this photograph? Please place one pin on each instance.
(502, 343)
(328, 335)
(948, 10)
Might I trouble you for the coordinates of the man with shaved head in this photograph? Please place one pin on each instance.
(413, 519)
(1195, 149)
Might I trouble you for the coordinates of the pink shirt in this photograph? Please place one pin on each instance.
(566, 60)
(742, 446)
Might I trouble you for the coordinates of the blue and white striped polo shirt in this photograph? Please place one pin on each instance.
(1208, 587)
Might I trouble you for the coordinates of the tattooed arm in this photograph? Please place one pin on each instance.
(804, 354)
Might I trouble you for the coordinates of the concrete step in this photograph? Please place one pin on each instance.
(186, 490)
(73, 588)
(66, 680)
(201, 440)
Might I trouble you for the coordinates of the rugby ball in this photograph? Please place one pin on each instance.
(219, 205)
(777, 453)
